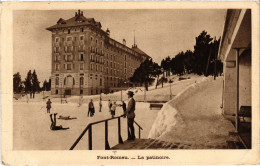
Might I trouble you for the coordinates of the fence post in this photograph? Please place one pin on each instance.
(107, 147)
(90, 137)
(120, 140)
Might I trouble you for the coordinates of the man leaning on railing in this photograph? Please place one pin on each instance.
(130, 116)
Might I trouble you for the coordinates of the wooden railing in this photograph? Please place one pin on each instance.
(89, 129)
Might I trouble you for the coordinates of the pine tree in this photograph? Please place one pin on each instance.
(35, 83)
(28, 82)
(17, 83)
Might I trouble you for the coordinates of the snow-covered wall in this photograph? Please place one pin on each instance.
(168, 117)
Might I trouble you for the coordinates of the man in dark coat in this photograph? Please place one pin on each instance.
(91, 109)
(130, 115)
(48, 105)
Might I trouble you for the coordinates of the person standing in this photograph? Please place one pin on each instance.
(123, 105)
(113, 109)
(130, 116)
(48, 105)
(100, 104)
(109, 105)
(91, 109)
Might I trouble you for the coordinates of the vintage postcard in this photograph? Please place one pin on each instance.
(136, 83)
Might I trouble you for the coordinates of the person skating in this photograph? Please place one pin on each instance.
(48, 105)
(91, 109)
(53, 124)
(130, 116)
(100, 104)
(113, 109)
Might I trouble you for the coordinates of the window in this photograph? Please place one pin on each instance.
(111, 64)
(81, 66)
(81, 80)
(96, 91)
(91, 38)
(96, 40)
(111, 71)
(101, 68)
(82, 29)
(68, 31)
(91, 67)
(96, 59)
(57, 67)
(81, 37)
(69, 39)
(81, 57)
(69, 58)
(96, 67)
(57, 81)
(91, 92)
(96, 51)
(57, 91)
(57, 39)
(68, 66)
(81, 91)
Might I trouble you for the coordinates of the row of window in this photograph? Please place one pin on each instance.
(81, 38)
(81, 81)
(69, 66)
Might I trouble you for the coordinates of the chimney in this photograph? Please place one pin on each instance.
(108, 32)
(124, 42)
(76, 14)
(81, 13)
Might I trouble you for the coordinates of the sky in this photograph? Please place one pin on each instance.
(158, 32)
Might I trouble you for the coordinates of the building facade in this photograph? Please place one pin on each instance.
(85, 60)
(235, 52)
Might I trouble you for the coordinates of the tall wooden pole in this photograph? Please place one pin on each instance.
(237, 107)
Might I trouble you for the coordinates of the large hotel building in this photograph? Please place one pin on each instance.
(85, 60)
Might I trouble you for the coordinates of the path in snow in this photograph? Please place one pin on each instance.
(195, 120)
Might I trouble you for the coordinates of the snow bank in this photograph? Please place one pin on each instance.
(166, 119)
(168, 116)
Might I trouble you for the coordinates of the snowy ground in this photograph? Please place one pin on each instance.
(193, 118)
(32, 123)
